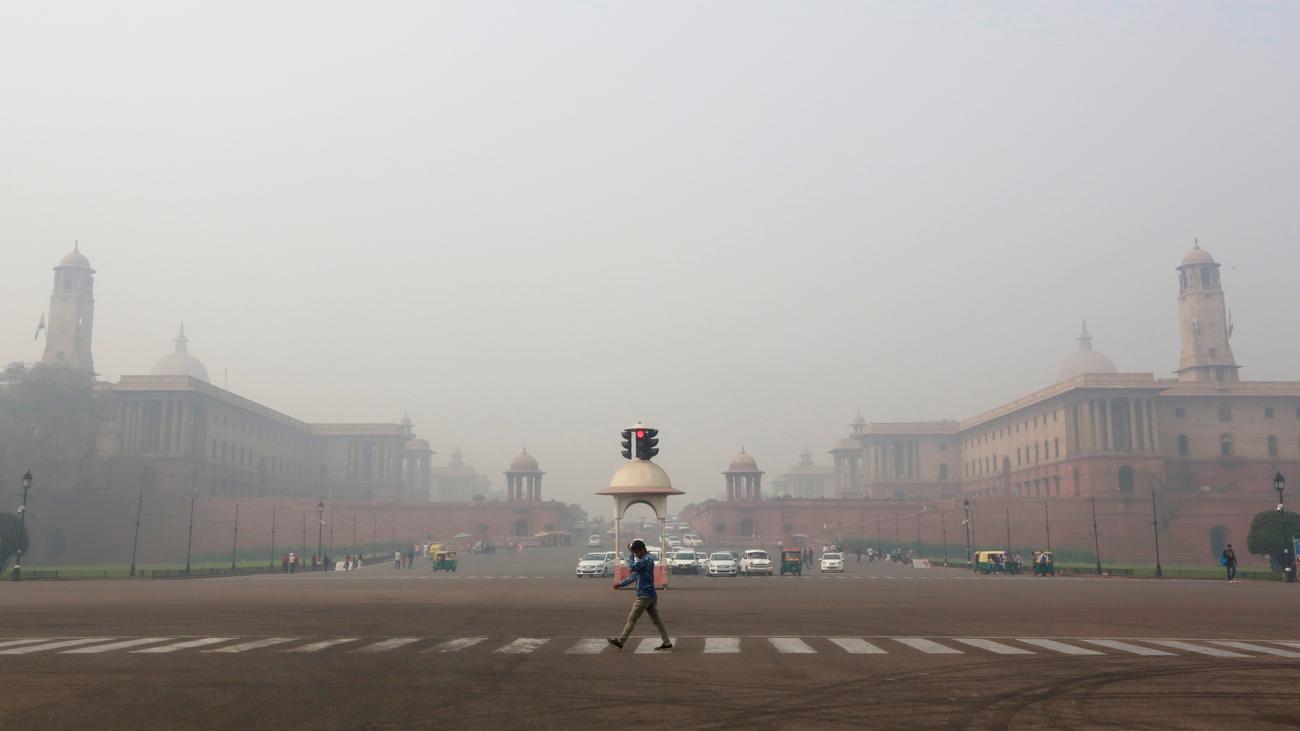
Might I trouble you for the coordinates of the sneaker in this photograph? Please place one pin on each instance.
(616, 642)
(665, 646)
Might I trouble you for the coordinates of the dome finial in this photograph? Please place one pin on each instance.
(1196, 243)
(76, 245)
(182, 341)
(1085, 340)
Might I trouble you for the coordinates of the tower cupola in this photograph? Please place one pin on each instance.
(1203, 321)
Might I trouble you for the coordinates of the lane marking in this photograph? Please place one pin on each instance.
(1200, 649)
(1061, 647)
(1250, 646)
(995, 647)
(856, 646)
(647, 645)
(15, 643)
(117, 645)
(457, 644)
(254, 645)
(523, 645)
(322, 645)
(187, 645)
(389, 644)
(930, 647)
(791, 646)
(721, 645)
(1129, 648)
(593, 646)
(53, 645)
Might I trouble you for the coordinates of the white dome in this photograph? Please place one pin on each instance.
(180, 362)
(1084, 360)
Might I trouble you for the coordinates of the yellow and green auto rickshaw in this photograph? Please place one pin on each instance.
(991, 562)
(1044, 565)
(444, 561)
(792, 561)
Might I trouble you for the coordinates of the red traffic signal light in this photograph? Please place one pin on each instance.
(640, 434)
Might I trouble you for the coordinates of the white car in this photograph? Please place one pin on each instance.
(702, 561)
(684, 562)
(832, 562)
(596, 564)
(593, 541)
(722, 563)
(755, 562)
(690, 540)
(674, 542)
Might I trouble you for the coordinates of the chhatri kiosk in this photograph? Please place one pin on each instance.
(641, 481)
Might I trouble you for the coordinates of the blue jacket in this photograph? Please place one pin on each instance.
(643, 573)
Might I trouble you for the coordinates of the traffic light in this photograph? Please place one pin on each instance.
(647, 443)
(627, 444)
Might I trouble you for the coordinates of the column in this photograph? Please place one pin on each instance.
(1112, 423)
(1136, 439)
(510, 488)
(1154, 442)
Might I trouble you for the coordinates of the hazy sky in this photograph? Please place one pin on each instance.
(535, 223)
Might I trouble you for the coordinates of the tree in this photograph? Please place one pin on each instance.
(49, 414)
(1265, 536)
(10, 530)
(482, 528)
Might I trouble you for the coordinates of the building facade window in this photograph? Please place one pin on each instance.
(1180, 413)
(1225, 445)
(1272, 446)
(1268, 413)
(1126, 478)
(1183, 447)
(943, 471)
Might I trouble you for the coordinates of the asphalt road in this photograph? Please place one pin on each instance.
(514, 641)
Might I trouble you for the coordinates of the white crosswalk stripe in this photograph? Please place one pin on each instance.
(253, 645)
(856, 646)
(28, 641)
(1128, 647)
(592, 646)
(523, 645)
(1253, 647)
(721, 645)
(791, 646)
(1199, 649)
(1061, 647)
(929, 647)
(322, 645)
(389, 644)
(53, 645)
(647, 645)
(458, 644)
(96, 649)
(186, 645)
(996, 648)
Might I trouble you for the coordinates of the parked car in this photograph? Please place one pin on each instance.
(722, 563)
(832, 562)
(702, 561)
(596, 564)
(674, 542)
(683, 562)
(690, 540)
(755, 562)
(594, 540)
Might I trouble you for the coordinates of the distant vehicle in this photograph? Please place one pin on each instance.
(594, 540)
(683, 562)
(832, 562)
(722, 563)
(702, 561)
(596, 564)
(674, 542)
(690, 540)
(755, 562)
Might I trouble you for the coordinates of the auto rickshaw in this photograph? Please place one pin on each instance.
(434, 548)
(1044, 565)
(792, 561)
(444, 561)
(991, 562)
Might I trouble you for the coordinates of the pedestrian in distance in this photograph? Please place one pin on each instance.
(284, 564)
(1229, 561)
(642, 566)
(397, 559)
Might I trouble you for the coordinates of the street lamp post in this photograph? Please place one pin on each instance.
(272, 538)
(320, 531)
(234, 546)
(139, 506)
(22, 527)
(1047, 526)
(966, 522)
(189, 541)
(943, 524)
(1288, 560)
(1096, 537)
(1008, 533)
(1155, 530)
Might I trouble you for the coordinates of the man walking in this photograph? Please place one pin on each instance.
(647, 601)
(1229, 561)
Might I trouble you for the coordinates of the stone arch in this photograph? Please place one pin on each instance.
(1184, 447)
(520, 529)
(745, 527)
(1218, 539)
(1126, 478)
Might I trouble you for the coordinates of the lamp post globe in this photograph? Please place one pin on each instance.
(22, 527)
(966, 522)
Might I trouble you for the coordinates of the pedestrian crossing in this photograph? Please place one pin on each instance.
(937, 647)
(810, 577)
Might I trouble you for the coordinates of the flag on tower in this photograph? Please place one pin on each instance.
(39, 327)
